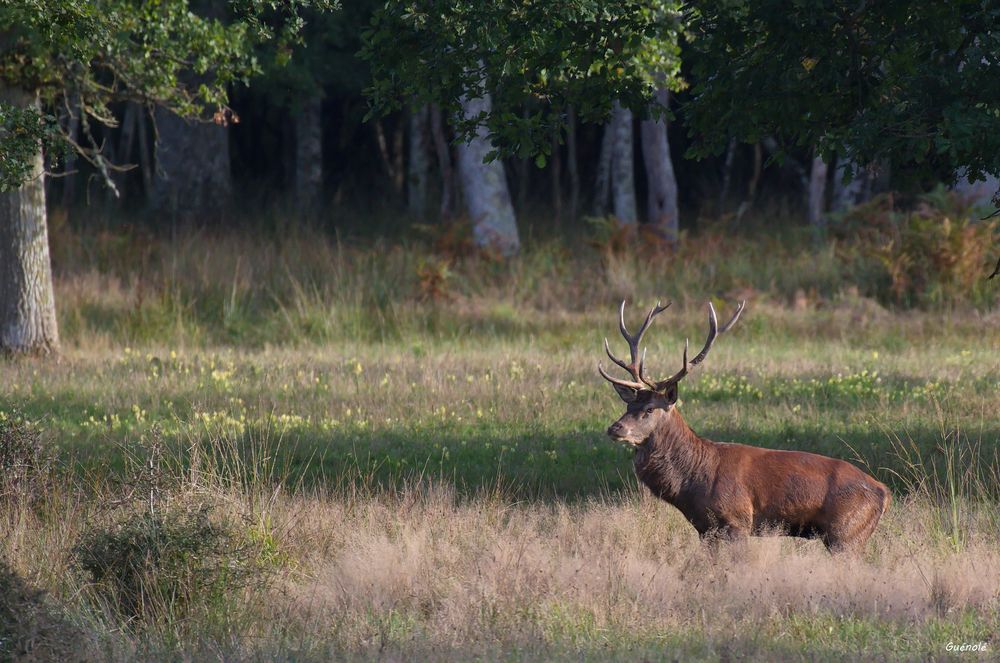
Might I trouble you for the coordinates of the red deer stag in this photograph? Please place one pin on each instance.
(731, 491)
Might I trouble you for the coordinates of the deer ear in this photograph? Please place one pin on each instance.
(670, 393)
(627, 394)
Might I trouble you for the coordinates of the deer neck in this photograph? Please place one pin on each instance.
(674, 462)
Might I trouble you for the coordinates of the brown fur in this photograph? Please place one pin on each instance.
(732, 490)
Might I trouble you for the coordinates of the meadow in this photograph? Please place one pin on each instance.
(308, 448)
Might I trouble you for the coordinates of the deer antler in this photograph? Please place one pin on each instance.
(713, 332)
(635, 366)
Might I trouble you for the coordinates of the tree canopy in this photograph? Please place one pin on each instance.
(914, 85)
(97, 52)
(546, 55)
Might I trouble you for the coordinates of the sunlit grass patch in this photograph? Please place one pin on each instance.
(432, 480)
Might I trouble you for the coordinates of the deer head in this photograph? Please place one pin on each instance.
(649, 402)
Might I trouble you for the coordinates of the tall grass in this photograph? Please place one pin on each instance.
(299, 447)
(958, 481)
(307, 286)
(365, 571)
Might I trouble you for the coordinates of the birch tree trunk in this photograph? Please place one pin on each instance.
(192, 175)
(27, 304)
(661, 202)
(309, 152)
(487, 198)
(622, 167)
(817, 192)
(418, 166)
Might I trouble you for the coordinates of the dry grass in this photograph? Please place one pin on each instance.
(429, 480)
(303, 287)
(625, 561)
(422, 572)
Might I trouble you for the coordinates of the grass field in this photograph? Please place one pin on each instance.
(367, 453)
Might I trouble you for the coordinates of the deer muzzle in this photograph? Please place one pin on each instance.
(618, 432)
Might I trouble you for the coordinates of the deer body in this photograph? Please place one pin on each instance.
(733, 491)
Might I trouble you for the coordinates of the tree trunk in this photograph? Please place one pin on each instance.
(817, 192)
(445, 167)
(602, 182)
(128, 131)
(847, 195)
(126, 143)
(73, 131)
(418, 166)
(572, 167)
(788, 163)
(556, 181)
(623, 168)
(392, 159)
(662, 197)
(309, 153)
(758, 169)
(523, 173)
(487, 198)
(27, 304)
(192, 176)
(727, 174)
(146, 164)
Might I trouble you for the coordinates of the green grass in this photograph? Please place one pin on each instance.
(534, 414)
(326, 366)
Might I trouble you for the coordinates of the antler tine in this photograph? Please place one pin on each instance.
(621, 321)
(736, 316)
(679, 375)
(607, 348)
(633, 348)
(614, 380)
(656, 310)
(713, 332)
(642, 373)
(635, 367)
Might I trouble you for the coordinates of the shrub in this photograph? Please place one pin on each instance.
(433, 279)
(165, 563)
(609, 236)
(451, 240)
(935, 253)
